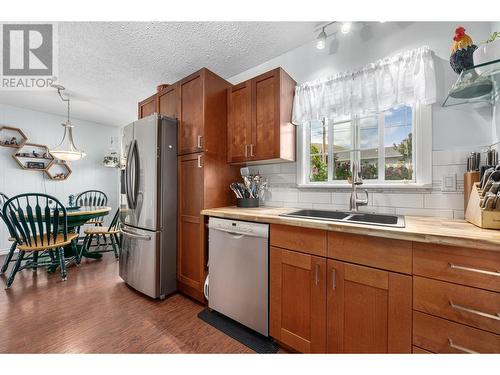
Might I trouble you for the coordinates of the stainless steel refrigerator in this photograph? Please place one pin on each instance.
(148, 214)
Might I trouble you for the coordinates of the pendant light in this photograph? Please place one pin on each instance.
(66, 150)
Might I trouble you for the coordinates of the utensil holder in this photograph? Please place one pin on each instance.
(247, 202)
(488, 219)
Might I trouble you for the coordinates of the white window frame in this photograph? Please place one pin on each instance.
(422, 156)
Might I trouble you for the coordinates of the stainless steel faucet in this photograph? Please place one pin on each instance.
(356, 180)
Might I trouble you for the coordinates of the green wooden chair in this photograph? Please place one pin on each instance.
(93, 198)
(8, 258)
(39, 228)
(110, 232)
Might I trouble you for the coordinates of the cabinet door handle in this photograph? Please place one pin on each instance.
(464, 268)
(251, 151)
(316, 274)
(199, 162)
(474, 311)
(246, 151)
(461, 348)
(334, 278)
(198, 144)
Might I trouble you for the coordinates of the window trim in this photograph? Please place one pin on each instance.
(422, 157)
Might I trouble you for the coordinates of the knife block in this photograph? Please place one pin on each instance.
(470, 178)
(488, 219)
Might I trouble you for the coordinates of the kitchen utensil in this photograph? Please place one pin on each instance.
(491, 157)
(484, 200)
(248, 185)
(486, 176)
(235, 189)
(494, 187)
(473, 161)
(495, 176)
(244, 171)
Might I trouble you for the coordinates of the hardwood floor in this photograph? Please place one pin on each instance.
(95, 312)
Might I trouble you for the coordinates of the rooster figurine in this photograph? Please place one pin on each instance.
(461, 51)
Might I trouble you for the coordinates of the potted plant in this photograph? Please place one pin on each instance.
(487, 51)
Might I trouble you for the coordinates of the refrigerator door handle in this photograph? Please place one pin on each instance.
(127, 175)
(135, 235)
(137, 173)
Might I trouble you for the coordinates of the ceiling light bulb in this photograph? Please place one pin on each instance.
(321, 42)
(346, 27)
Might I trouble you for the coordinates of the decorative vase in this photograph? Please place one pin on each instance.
(485, 53)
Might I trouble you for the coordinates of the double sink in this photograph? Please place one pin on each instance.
(397, 221)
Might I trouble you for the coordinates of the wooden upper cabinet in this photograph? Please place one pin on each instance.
(147, 106)
(239, 119)
(263, 107)
(266, 134)
(191, 129)
(202, 113)
(369, 310)
(168, 101)
(297, 315)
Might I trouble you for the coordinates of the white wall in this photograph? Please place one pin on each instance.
(456, 131)
(45, 128)
(495, 26)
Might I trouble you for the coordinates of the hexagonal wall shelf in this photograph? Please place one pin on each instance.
(58, 170)
(12, 137)
(34, 157)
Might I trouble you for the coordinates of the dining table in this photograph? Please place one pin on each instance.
(76, 217)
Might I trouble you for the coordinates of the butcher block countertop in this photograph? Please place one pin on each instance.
(418, 228)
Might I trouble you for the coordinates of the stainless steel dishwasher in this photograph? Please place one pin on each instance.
(238, 264)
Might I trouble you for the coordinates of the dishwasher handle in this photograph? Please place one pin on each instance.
(236, 235)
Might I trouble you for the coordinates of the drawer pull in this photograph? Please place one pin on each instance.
(485, 272)
(461, 348)
(473, 311)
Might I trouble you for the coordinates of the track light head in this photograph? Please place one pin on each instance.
(321, 41)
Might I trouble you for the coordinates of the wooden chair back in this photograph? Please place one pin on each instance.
(92, 198)
(36, 219)
(114, 221)
(3, 199)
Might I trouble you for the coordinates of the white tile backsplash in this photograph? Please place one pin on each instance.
(444, 200)
(398, 200)
(427, 202)
(315, 196)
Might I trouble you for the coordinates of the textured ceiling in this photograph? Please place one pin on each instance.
(108, 67)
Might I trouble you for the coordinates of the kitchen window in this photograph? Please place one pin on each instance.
(393, 148)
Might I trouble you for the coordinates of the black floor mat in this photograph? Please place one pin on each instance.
(255, 341)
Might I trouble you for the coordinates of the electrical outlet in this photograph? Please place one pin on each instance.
(449, 182)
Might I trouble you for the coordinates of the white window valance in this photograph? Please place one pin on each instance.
(405, 78)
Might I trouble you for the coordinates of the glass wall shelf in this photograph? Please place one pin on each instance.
(479, 84)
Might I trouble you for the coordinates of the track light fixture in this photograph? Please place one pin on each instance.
(321, 42)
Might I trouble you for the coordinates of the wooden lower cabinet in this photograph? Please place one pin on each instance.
(443, 336)
(369, 310)
(297, 316)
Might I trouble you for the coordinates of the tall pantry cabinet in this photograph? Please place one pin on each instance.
(199, 101)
